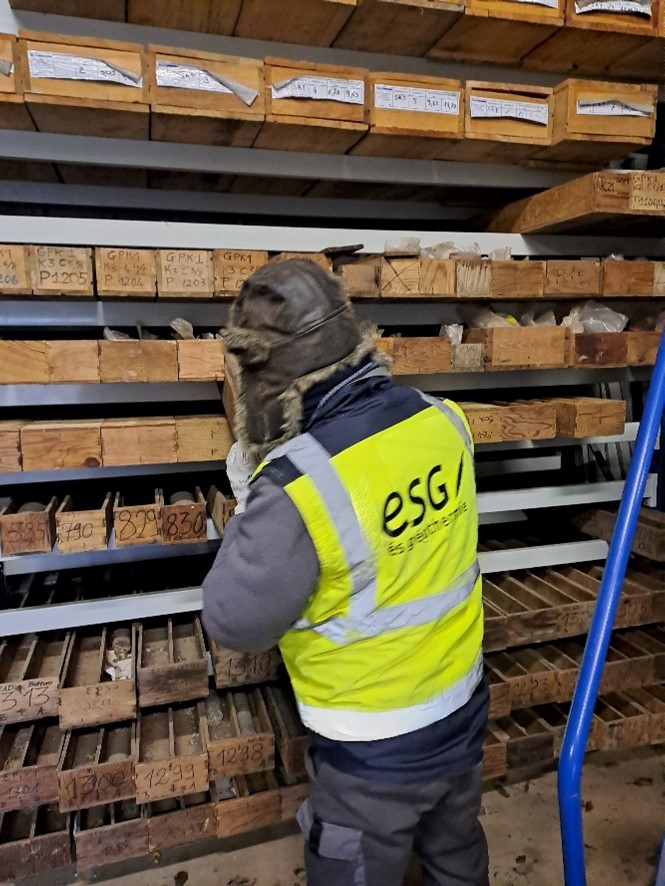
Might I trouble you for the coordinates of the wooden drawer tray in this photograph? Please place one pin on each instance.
(172, 662)
(416, 356)
(309, 22)
(597, 349)
(205, 98)
(181, 820)
(240, 736)
(53, 445)
(88, 695)
(109, 834)
(649, 538)
(137, 524)
(34, 842)
(139, 440)
(29, 757)
(580, 417)
(293, 791)
(573, 279)
(202, 438)
(484, 421)
(10, 446)
(127, 273)
(633, 278)
(72, 362)
(521, 347)
(482, 278)
(220, 508)
(30, 669)
(200, 360)
(528, 420)
(233, 266)
(312, 107)
(410, 115)
(233, 669)
(27, 531)
(23, 362)
(256, 805)
(97, 767)
(172, 752)
(61, 270)
(290, 734)
(184, 273)
(643, 348)
(15, 276)
(183, 521)
(138, 361)
(81, 528)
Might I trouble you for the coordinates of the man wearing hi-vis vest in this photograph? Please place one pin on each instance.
(354, 548)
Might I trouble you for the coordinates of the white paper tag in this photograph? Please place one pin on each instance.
(193, 77)
(612, 107)
(60, 66)
(627, 7)
(551, 4)
(531, 112)
(410, 98)
(6, 68)
(350, 92)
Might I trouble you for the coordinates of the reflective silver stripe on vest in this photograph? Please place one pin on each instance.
(453, 417)
(312, 459)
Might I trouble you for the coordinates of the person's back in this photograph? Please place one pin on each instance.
(357, 552)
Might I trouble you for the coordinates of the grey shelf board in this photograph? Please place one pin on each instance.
(129, 392)
(557, 496)
(186, 235)
(137, 606)
(82, 313)
(20, 478)
(523, 378)
(628, 436)
(26, 564)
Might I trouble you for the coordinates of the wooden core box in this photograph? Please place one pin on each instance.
(314, 108)
(83, 86)
(13, 112)
(205, 98)
(411, 116)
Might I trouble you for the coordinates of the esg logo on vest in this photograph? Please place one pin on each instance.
(397, 517)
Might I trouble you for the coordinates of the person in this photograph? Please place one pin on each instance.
(354, 548)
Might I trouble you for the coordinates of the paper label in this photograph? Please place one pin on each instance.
(193, 77)
(531, 112)
(409, 98)
(647, 192)
(612, 107)
(351, 92)
(6, 68)
(551, 4)
(626, 7)
(59, 66)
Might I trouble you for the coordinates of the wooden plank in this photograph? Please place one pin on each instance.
(181, 820)
(400, 277)
(49, 446)
(113, 10)
(84, 116)
(361, 277)
(572, 279)
(139, 440)
(15, 276)
(10, 446)
(484, 421)
(232, 267)
(293, 791)
(623, 724)
(290, 735)
(400, 27)
(72, 362)
(29, 756)
(521, 347)
(23, 362)
(137, 524)
(220, 508)
(495, 762)
(61, 270)
(308, 22)
(34, 842)
(597, 348)
(207, 16)
(184, 521)
(172, 661)
(97, 767)
(233, 669)
(125, 272)
(195, 126)
(415, 356)
(202, 438)
(319, 258)
(649, 538)
(200, 360)
(30, 670)
(579, 417)
(88, 694)
(643, 348)
(109, 834)
(437, 277)
(652, 699)
(240, 735)
(303, 101)
(316, 136)
(185, 273)
(256, 805)
(629, 278)
(27, 531)
(528, 420)
(83, 529)
(172, 752)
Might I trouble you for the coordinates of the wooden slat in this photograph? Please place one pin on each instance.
(29, 757)
(290, 734)
(521, 347)
(172, 662)
(233, 669)
(34, 842)
(97, 766)
(83, 529)
(108, 834)
(240, 735)
(308, 22)
(30, 670)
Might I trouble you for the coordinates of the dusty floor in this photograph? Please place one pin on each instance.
(624, 818)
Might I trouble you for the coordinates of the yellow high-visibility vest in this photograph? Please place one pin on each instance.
(391, 640)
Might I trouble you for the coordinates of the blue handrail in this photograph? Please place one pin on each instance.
(595, 652)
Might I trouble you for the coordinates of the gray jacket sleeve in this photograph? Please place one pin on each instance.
(263, 575)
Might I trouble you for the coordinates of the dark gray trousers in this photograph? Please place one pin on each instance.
(362, 833)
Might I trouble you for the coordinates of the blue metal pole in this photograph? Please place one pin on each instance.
(595, 652)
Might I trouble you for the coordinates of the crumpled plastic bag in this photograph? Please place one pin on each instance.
(453, 332)
(592, 316)
(182, 328)
(485, 318)
(529, 318)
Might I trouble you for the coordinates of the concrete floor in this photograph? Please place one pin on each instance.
(624, 819)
